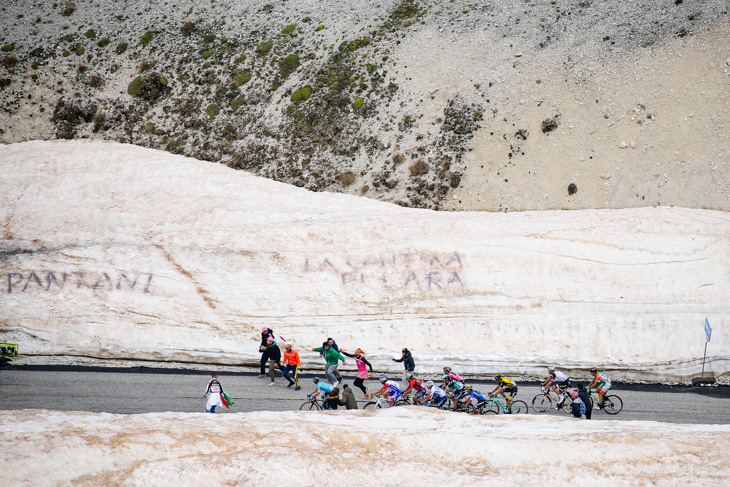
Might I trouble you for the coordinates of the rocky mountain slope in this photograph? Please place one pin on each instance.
(448, 104)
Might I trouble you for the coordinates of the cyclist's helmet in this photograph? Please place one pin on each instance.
(383, 378)
(447, 376)
(498, 377)
(447, 370)
(429, 384)
(468, 387)
(410, 376)
(316, 379)
(593, 370)
(551, 367)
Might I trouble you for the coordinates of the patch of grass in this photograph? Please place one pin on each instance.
(212, 110)
(104, 42)
(238, 102)
(147, 38)
(7, 48)
(241, 58)
(264, 48)
(289, 29)
(65, 53)
(90, 34)
(208, 38)
(243, 78)
(288, 65)
(207, 54)
(35, 65)
(319, 27)
(79, 50)
(69, 37)
(206, 65)
(358, 103)
(121, 47)
(301, 94)
(135, 87)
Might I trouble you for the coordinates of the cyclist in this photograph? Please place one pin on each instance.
(454, 388)
(436, 395)
(417, 385)
(505, 385)
(470, 394)
(322, 386)
(447, 370)
(391, 387)
(602, 383)
(559, 381)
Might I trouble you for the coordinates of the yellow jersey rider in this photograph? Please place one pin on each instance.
(507, 388)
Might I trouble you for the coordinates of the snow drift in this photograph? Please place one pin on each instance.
(343, 447)
(115, 251)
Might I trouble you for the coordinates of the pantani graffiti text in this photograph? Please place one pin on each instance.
(52, 281)
(410, 271)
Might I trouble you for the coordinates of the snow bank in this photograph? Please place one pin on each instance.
(403, 445)
(115, 251)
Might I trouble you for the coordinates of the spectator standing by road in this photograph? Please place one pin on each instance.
(332, 357)
(408, 364)
(213, 391)
(586, 397)
(266, 333)
(333, 345)
(274, 354)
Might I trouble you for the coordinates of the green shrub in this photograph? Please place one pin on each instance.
(104, 42)
(358, 103)
(206, 65)
(243, 78)
(146, 38)
(289, 29)
(319, 27)
(66, 53)
(208, 38)
(238, 102)
(121, 47)
(212, 110)
(35, 65)
(241, 58)
(135, 87)
(80, 50)
(8, 48)
(90, 34)
(207, 54)
(288, 65)
(69, 37)
(301, 94)
(264, 48)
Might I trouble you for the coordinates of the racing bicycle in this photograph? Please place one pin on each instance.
(611, 404)
(311, 404)
(498, 403)
(544, 401)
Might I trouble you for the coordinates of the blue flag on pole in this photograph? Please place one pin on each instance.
(708, 329)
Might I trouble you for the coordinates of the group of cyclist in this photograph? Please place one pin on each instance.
(463, 396)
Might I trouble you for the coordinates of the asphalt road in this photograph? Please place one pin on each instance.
(145, 390)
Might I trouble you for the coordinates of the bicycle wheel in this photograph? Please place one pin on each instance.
(372, 405)
(310, 406)
(403, 401)
(612, 404)
(541, 403)
(519, 407)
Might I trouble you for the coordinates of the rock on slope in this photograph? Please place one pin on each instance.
(458, 104)
(116, 251)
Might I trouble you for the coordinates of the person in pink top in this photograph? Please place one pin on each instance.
(362, 368)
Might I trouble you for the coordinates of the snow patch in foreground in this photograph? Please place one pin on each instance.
(388, 447)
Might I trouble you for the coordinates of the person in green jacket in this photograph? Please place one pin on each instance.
(332, 357)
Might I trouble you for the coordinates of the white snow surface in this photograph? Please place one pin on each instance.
(116, 251)
(403, 446)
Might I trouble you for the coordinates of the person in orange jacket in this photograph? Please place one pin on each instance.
(292, 364)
